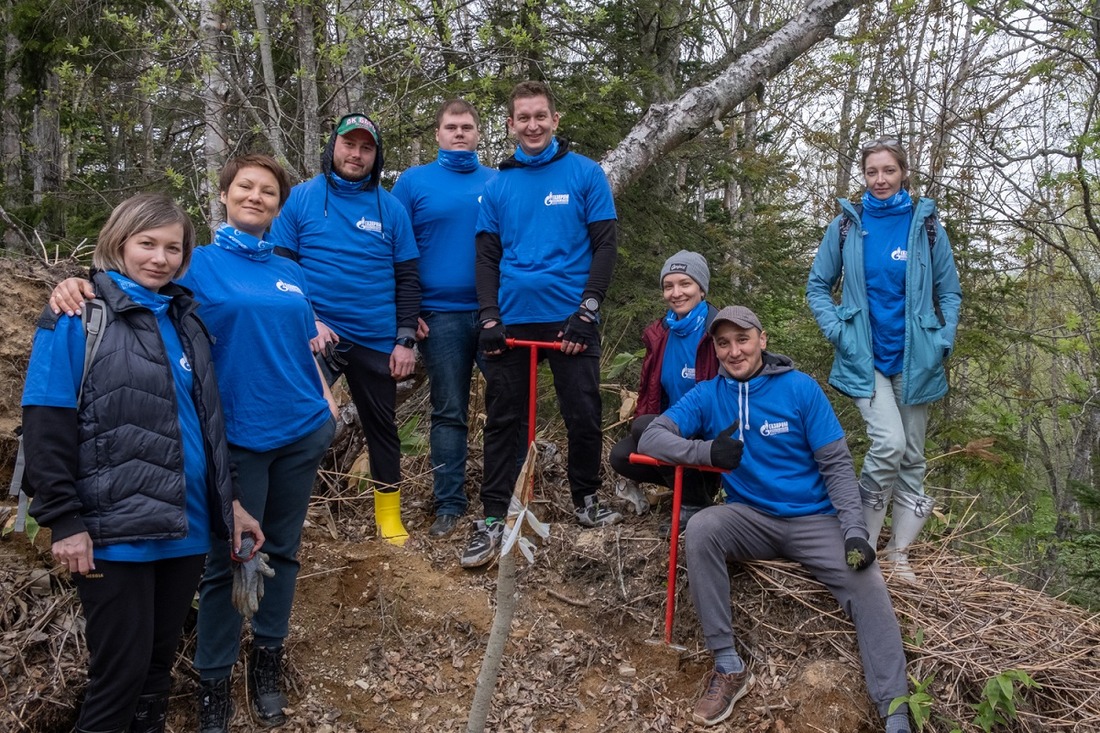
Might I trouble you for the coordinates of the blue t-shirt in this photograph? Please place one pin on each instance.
(885, 254)
(53, 380)
(443, 207)
(259, 315)
(784, 418)
(681, 347)
(541, 215)
(347, 242)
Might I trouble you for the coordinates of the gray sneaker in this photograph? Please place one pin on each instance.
(594, 515)
(484, 543)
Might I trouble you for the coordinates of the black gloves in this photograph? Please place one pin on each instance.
(725, 450)
(249, 571)
(858, 553)
(580, 330)
(491, 338)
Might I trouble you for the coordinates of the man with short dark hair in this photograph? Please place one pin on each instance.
(442, 200)
(547, 239)
(355, 244)
(791, 493)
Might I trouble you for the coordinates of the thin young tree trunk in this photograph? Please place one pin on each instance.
(494, 649)
(311, 106)
(214, 92)
(273, 130)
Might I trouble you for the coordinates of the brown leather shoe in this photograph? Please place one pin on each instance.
(723, 690)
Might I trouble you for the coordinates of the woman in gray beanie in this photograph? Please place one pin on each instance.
(678, 353)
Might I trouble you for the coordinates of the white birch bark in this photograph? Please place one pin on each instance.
(213, 93)
(273, 129)
(666, 126)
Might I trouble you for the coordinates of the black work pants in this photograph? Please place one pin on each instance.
(577, 384)
(134, 614)
(374, 393)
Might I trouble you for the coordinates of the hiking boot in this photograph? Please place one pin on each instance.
(265, 685)
(215, 706)
(723, 690)
(443, 525)
(484, 543)
(594, 515)
(151, 714)
(664, 528)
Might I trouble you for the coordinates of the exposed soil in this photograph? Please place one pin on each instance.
(387, 638)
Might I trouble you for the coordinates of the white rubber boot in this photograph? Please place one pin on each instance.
(874, 511)
(911, 511)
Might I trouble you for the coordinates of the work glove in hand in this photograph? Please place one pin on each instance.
(858, 553)
(580, 330)
(249, 570)
(725, 450)
(491, 339)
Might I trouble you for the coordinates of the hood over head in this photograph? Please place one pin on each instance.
(347, 123)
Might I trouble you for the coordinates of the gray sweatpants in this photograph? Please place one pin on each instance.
(738, 532)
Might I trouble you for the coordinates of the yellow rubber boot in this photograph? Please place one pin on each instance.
(387, 517)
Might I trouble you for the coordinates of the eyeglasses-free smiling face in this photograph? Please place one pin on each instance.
(252, 200)
(353, 156)
(533, 124)
(740, 350)
(681, 293)
(152, 257)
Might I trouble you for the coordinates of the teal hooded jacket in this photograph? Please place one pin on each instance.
(932, 299)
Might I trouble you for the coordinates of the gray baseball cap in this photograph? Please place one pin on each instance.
(738, 315)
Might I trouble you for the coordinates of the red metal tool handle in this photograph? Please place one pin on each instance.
(674, 540)
(513, 343)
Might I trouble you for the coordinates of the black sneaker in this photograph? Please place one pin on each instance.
(151, 714)
(443, 525)
(265, 685)
(594, 515)
(484, 543)
(215, 706)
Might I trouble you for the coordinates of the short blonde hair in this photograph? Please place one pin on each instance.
(140, 214)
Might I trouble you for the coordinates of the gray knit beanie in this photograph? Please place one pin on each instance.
(692, 264)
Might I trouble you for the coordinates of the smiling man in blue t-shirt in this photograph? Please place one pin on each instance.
(791, 493)
(547, 238)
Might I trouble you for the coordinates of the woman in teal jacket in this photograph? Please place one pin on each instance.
(893, 328)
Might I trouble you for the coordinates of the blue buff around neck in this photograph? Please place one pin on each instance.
(460, 161)
(542, 158)
(247, 245)
(901, 202)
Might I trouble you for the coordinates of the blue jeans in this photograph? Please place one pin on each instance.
(274, 488)
(449, 354)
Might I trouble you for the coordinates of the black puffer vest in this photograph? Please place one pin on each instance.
(130, 476)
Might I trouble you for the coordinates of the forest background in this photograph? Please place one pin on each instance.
(718, 147)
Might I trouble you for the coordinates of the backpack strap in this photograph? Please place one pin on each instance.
(93, 315)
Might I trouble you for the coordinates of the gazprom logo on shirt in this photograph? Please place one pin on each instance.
(688, 372)
(184, 363)
(288, 287)
(899, 255)
(368, 226)
(774, 428)
(556, 199)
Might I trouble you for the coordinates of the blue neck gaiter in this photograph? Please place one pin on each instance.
(140, 294)
(542, 158)
(459, 161)
(899, 203)
(343, 184)
(243, 243)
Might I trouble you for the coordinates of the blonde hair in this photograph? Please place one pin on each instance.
(140, 214)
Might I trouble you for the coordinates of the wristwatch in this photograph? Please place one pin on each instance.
(591, 305)
(407, 341)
